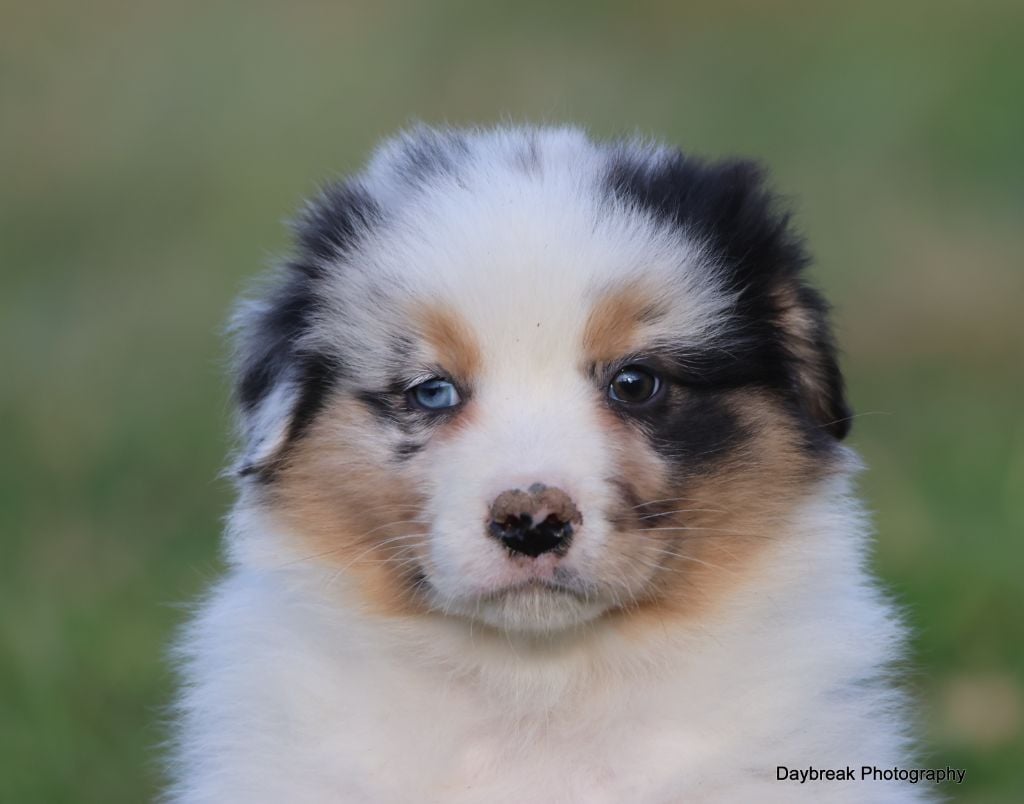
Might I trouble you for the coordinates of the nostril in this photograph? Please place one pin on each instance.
(519, 535)
(513, 520)
(555, 526)
(511, 526)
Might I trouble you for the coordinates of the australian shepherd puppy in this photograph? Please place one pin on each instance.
(541, 498)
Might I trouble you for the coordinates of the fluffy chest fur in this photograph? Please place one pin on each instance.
(541, 497)
(291, 700)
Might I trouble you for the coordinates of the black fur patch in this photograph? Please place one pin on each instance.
(391, 406)
(331, 225)
(270, 338)
(383, 404)
(408, 449)
(428, 153)
(690, 427)
(748, 361)
(271, 348)
(318, 375)
(726, 207)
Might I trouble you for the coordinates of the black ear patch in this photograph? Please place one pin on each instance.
(270, 336)
(726, 204)
(332, 223)
(779, 322)
(272, 347)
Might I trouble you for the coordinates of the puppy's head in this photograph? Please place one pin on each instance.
(531, 381)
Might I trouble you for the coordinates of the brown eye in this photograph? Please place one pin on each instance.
(634, 385)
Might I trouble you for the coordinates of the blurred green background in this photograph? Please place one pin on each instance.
(151, 150)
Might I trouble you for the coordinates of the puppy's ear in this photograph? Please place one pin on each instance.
(810, 350)
(281, 381)
(728, 209)
(282, 377)
(765, 258)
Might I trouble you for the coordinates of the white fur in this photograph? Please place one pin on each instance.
(295, 691)
(297, 697)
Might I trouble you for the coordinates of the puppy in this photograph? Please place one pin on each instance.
(541, 497)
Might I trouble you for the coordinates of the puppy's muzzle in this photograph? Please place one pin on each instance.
(536, 521)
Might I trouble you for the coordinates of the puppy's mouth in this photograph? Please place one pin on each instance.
(534, 585)
(532, 606)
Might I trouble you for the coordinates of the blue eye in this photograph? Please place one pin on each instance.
(435, 394)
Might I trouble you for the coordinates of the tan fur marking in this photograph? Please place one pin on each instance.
(713, 534)
(351, 508)
(349, 511)
(616, 321)
(799, 327)
(640, 469)
(359, 515)
(450, 337)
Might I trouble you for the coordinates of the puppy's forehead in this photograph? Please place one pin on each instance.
(526, 256)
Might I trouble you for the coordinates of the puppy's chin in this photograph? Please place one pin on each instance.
(530, 609)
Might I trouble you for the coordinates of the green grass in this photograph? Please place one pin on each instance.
(150, 151)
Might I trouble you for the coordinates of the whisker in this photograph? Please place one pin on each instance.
(856, 416)
(684, 511)
(694, 559)
(398, 560)
(692, 528)
(359, 538)
(663, 500)
(372, 547)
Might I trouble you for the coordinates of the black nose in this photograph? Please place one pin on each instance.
(539, 520)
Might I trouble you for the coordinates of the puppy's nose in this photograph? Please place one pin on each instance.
(538, 520)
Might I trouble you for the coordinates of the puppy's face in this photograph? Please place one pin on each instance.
(531, 382)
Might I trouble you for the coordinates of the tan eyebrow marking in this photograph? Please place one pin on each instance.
(451, 338)
(616, 319)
